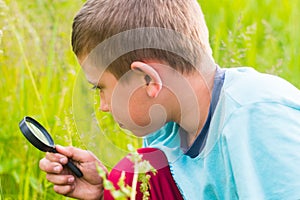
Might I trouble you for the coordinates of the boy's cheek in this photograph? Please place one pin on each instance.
(140, 121)
(140, 117)
(131, 117)
(147, 121)
(134, 110)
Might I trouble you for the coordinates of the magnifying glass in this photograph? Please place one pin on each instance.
(38, 136)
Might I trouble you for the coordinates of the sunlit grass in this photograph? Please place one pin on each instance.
(38, 72)
(261, 34)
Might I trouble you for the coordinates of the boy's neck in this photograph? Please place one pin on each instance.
(195, 115)
(186, 97)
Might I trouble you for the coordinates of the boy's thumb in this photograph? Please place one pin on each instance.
(74, 153)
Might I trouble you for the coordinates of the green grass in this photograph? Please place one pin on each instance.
(38, 72)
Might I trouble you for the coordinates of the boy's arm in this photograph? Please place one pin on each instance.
(263, 145)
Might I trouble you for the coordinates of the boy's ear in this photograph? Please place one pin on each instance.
(152, 78)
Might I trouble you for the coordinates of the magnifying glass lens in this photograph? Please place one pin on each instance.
(39, 137)
(37, 133)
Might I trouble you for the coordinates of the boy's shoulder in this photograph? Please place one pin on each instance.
(245, 85)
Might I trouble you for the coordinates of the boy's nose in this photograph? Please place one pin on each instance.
(104, 107)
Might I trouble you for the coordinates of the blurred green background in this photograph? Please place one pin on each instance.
(38, 72)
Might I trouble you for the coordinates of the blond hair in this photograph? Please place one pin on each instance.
(99, 20)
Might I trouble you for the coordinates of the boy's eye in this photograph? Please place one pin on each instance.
(96, 87)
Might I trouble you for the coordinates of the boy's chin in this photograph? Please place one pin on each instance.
(142, 132)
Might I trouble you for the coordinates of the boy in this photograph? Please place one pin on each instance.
(226, 133)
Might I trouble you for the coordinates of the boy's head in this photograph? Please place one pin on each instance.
(163, 39)
(99, 20)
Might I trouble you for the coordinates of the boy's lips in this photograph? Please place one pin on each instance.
(121, 125)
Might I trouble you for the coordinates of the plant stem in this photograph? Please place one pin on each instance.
(134, 184)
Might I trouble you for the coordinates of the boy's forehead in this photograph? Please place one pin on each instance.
(96, 78)
(99, 78)
(92, 73)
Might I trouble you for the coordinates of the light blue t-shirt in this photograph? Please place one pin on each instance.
(252, 150)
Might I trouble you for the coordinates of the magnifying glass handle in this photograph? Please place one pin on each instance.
(71, 166)
(74, 169)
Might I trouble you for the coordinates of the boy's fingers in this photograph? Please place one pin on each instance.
(50, 167)
(76, 154)
(60, 179)
(64, 189)
(56, 157)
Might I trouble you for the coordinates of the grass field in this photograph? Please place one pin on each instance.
(38, 72)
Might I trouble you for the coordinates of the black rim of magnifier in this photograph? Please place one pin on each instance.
(42, 146)
(33, 139)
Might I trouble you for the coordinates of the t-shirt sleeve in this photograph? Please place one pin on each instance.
(262, 142)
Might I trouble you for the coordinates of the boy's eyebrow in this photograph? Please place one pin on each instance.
(97, 85)
(92, 83)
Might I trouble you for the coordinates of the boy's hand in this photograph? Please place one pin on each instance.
(87, 187)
